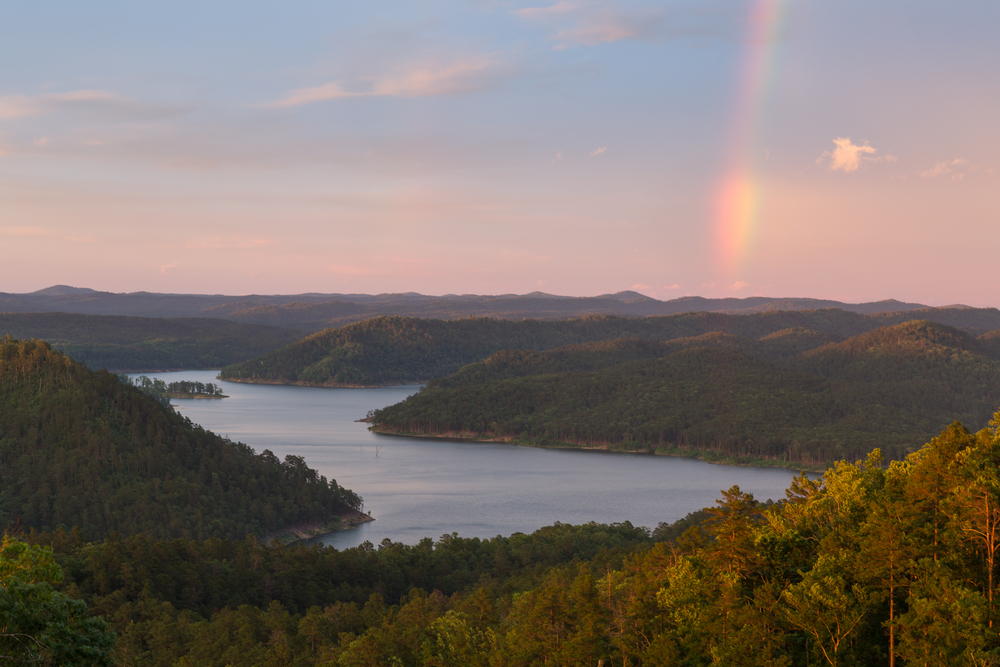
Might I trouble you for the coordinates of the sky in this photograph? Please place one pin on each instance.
(792, 148)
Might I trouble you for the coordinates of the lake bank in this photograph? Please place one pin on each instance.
(307, 530)
(708, 456)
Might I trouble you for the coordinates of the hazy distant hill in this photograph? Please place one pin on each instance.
(79, 448)
(315, 312)
(724, 394)
(401, 350)
(121, 343)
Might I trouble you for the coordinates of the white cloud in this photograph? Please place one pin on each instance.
(600, 151)
(674, 286)
(18, 106)
(738, 285)
(459, 76)
(847, 156)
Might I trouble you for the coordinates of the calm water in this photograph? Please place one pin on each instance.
(419, 488)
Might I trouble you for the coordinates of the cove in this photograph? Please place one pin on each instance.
(418, 487)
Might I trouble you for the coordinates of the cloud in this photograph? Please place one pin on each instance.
(26, 231)
(674, 286)
(847, 156)
(41, 142)
(956, 169)
(593, 23)
(600, 151)
(42, 232)
(738, 285)
(459, 76)
(19, 106)
(640, 286)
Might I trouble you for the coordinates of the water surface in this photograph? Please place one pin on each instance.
(418, 488)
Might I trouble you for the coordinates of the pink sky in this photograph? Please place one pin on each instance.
(575, 148)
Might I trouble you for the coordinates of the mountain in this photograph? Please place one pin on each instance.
(79, 448)
(401, 350)
(314, 312)
(120, 343)
(721, 394)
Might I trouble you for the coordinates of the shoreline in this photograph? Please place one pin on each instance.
(678, 452)
(300, 383)
(307, 530)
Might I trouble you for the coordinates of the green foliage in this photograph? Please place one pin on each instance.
(868, 565)
(144, 343)
(723, 394)
(39, 625)
(400, 350)
(79, 448)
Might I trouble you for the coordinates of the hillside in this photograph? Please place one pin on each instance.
(125, 344)
(720, 395)
(79, 448)
(865, 564)
(403, 350)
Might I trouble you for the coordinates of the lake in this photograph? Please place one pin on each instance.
(418, 488)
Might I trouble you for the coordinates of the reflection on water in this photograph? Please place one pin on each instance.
(419, 488)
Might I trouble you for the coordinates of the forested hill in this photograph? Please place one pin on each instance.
(118, 343)
(401, 350)
(721, 395)
(79, 448)
(867, 566)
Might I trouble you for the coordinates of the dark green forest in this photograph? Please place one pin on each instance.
(79, 448)
(792, 397)
(868, 565)
(133, 344)
(405, 350)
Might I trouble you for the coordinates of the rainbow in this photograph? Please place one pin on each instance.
(738, 195)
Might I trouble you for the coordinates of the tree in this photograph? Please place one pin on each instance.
(39, 625)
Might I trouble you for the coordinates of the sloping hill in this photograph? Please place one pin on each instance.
(79, 448)
(120, 343)
(401, 350)
(721, 394)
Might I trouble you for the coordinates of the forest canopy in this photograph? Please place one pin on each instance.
(796, 397)
(406, 350)
(868, 565)
(79, 448)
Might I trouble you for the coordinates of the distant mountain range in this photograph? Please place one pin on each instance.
(314, 312)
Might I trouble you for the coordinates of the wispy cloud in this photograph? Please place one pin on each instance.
(956, 169)
(738, 285)
(458, 76)
(18, 106)
(592, 23)
(42, 232)
(674, 286)
(847, 156)
(600, 151)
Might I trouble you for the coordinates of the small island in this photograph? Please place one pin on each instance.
(188, 389)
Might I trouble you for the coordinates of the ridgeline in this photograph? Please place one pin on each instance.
(404, 350)
(133, 344)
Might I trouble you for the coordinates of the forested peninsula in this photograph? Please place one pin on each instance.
(797, 397)
(80, 448)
